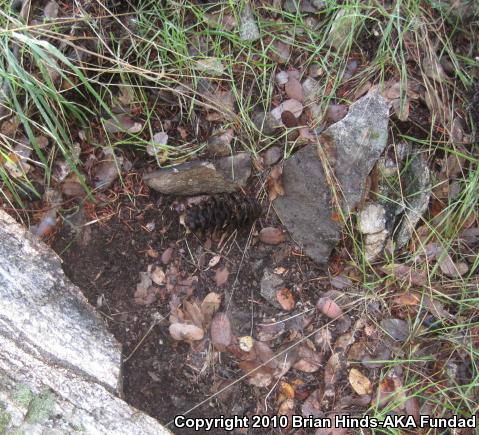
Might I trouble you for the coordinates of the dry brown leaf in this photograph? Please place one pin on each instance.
(221, 275)
(329, 308)
(221, 334)
(166, 256)
(214, 261)
(294, 89)
(286, 299)
(309, 360)
(360, 383)
(272, 236)
(194, 313)
(401, 271)
(186, 332)
(158, 276)
(246, 343)
(451, 269)
(261, 377)
(210, 305)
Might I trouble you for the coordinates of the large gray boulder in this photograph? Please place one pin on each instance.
(320, 178)
(60, 369)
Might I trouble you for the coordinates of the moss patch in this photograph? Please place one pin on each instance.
(40, 407)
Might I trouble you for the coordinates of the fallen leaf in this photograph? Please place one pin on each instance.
(194, 314)
(451, 269)
(291, 105)
(221, 275)
(214, 261)
(158, 276)
(210, 304)
(396, 328)
(294, 89)
(261, 377)
(285, 298)
(166, 256)
(271, 236)
(329, 308)
(186, 332)
(221, 334)
(246, 343)
(360, 383)
(309, 361)
(282, 78)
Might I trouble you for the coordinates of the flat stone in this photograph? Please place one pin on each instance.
(358, 139)
(202, 177)
(351, 147)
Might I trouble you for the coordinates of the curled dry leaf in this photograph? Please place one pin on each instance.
(186, 332)
(221, 334)
(285, 298)
(210, 305)
(360, 383)
(158, 276)
(329, 308)
(214, 261)
(271, 236)
(221, 275)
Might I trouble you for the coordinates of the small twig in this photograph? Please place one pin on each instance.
(156, 321)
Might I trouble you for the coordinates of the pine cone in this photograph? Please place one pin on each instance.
(222, 211)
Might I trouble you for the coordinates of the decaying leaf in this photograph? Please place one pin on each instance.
(452, 269)
(360, 383)
(221, 333)
(285, 298)
(271, 236)
(221, 275)
(210, 305)
(158, 276)
(186, 332)
(329, 308)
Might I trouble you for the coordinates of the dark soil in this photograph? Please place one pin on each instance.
(164, 377)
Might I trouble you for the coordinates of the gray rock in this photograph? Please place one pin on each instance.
(305, 208)
(372, 219)
(396, 328)
(60, 369)
(272, 155)
(202, 177)
(266, 123)
(249, 30)
(417, 180)
(352, 146)
(359, 139)
(218, 144)
(270, 284)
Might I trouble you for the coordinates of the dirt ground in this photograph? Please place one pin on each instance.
(164, 377)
